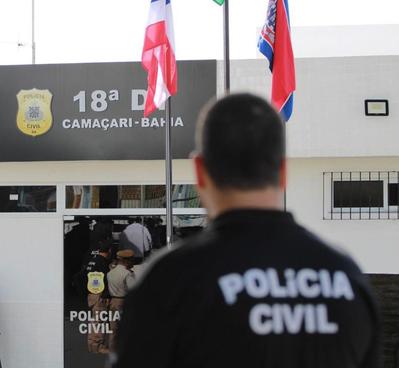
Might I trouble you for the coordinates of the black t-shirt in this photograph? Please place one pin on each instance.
(252, 290)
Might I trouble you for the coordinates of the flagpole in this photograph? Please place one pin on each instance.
(33, 34)
(226, 41)
(285, 165)
(168, 167)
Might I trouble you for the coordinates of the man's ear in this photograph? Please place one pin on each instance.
(199, 170)
(283, 174)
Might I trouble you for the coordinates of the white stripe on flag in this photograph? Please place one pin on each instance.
(161, 91)
(157, 12)
(169, 27)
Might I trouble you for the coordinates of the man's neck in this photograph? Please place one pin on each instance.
(227, 200)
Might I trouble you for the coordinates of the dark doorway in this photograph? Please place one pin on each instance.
(82, 236)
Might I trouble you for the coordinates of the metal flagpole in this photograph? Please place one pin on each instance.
(168, 167)
(226, 38)
(286, 164)
(33, 34)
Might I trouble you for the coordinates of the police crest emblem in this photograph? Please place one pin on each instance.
(34, 115)
(95, 282)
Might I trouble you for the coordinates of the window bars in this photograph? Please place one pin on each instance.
(361, 195)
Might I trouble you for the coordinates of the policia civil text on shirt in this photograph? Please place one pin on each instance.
(254, 289)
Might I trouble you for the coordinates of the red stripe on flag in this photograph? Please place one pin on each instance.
(283, 83)
(158, 51)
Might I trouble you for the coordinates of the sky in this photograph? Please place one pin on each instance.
(103, 30)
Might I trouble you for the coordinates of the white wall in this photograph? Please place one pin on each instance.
(330, 132)
(31, 291)
(339, 41)
(329, 118)
(93, 172)
(373, 243)
(345, 40)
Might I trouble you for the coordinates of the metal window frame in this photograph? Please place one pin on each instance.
(62, 211)
(385, 212)
(125, 211)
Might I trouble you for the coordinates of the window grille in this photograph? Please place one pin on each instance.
(361, 195)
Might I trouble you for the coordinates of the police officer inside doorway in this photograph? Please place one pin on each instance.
(98, 297)
(120, 279)
(254, 289)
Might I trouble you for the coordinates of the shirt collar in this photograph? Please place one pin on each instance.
(249, 215)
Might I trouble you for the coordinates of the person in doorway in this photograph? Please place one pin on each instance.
(254, 289)
(120, 280)
(137, 238)
(98, 298)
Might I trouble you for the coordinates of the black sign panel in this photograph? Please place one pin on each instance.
(95, 112)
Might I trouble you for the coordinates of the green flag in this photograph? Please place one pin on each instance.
(220, 2)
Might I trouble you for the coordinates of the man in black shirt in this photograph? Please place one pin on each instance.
(254, 289)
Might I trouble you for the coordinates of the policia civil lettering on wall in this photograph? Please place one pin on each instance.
(95, 111)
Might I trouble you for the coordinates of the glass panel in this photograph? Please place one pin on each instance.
(349, 194)
(103, 196)
(154, 196)
(28, 199)
(130, 196)
(185, 196)
(187, 225)
(393, 194)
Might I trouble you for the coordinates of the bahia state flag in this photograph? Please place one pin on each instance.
(275, 44)
(158, 57)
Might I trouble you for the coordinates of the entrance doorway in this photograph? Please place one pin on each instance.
(85, 327)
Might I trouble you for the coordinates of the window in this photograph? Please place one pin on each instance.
(361, 195)
(358, 194)
(130, 196)
(28, 199)
(393, 194)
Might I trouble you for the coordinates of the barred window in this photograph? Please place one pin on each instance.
(361, 195)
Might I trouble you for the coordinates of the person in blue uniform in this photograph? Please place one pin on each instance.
(254, 289)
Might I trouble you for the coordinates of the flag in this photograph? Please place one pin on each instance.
(158, 57)
(275, 45)
(220, 2)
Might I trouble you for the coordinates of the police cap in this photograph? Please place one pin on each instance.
(125, 254)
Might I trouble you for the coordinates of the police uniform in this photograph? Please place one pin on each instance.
(255, 290)
(98, 301)
(120, 281)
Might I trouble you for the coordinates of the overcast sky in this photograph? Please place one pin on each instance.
(113, 30)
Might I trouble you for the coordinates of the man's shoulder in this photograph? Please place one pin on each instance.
(170, 265)
(324, 251)
(195, 246)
